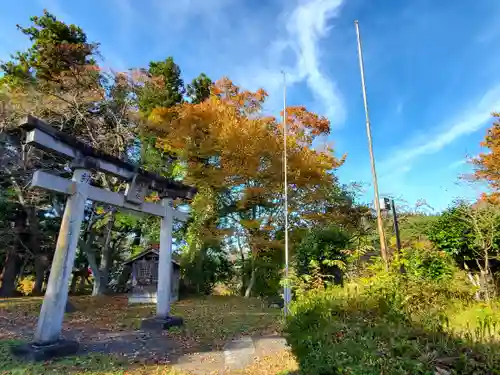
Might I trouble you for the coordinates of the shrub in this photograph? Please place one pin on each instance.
(25, 285)
(331, 332)
(203, 271)
(428, 264)
(321, 253)
(386, 323)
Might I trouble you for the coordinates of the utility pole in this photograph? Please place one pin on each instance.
(286, 291)
(396, 225)
(383, 248)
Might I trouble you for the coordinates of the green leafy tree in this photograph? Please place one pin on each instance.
(57, 49)
(201, 275)
(199, 89)
(165, 87)
(450, 233)
(321, 255)
(471, 234)
(58, 80)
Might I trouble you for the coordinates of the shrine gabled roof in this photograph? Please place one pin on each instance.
(146, 252)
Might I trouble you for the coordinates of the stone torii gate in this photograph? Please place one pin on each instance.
(47, 342)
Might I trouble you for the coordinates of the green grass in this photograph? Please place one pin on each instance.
(479, 322)
(209, 323)
(88, 365)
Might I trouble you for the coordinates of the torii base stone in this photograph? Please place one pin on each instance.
(44, 352)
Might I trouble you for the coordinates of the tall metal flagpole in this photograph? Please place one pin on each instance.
(383, 249)
(286, 291)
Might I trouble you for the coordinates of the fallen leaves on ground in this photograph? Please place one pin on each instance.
(209, 323)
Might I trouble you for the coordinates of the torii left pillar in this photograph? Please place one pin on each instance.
(47, 342)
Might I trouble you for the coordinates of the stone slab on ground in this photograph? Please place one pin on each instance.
(239, 353)
(268, 345)
(201, 363)
(236, 355)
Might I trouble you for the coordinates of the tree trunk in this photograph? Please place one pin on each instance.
(46, 281)
(95, 270)
(98, 289)
(242, 273)
(101, 280)
(74, 279)
(20, 274)
(123, 279)
(81, 284)
(86, 247)
(248, 291)
(9, 273)
(41, 263)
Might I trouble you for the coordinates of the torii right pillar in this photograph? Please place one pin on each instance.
(163, 320)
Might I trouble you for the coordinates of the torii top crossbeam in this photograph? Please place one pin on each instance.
(46, 137)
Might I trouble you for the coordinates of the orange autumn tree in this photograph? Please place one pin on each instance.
(234, 155)
(487, 164)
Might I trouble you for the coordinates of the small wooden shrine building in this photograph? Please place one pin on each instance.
(143, 269)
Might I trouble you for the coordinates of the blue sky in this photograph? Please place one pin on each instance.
(431, 70)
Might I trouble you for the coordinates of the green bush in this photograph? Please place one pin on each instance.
(204, 270)
(333, 333)
(321, 253)
(429, 283)
(428, 264)
(386, 323)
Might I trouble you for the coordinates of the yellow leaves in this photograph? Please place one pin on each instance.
(227, 144)
(153, 197)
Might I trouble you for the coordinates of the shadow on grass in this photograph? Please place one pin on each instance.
(107, 329)
(88, 364)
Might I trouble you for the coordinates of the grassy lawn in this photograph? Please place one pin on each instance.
(209, 323)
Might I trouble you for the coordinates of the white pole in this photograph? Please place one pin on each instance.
(383, 250)
(286, 291)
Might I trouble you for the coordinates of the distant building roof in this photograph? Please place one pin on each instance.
(153, 250)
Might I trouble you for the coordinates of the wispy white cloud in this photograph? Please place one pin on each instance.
(252, 46)
(457, 164)
(471, 120)
(394, 178)
(467, 160)
(305, 25)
